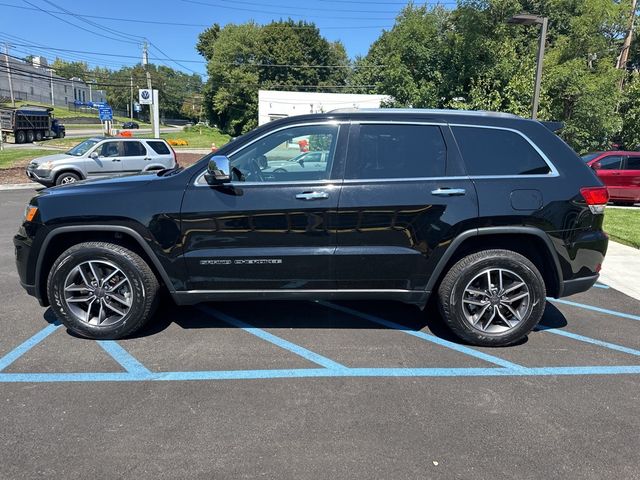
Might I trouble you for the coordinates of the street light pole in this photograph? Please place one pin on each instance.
(536, 89)
(526, 19)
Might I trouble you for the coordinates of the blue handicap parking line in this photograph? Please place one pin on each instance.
(595, 309)
(280, 342)
(317, 373)
(27, 345)
(124, 358)
(594, 341)
(424, 336)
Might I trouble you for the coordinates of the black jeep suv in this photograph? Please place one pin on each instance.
(489, 212)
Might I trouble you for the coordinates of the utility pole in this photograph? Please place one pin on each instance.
(53, 101)
(626, 45)
(131, 97)
(6, 57)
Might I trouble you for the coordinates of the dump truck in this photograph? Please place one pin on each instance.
(29, 123)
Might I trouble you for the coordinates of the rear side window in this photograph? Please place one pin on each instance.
(490, 151)
(633, 163)
(159, 147)
(398, 151)
(134, 149)
(612, 162)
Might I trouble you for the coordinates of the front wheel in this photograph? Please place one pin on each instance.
(492, 298)
(101, 290)
(67, 178)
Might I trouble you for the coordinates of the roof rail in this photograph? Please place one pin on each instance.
(429, 111)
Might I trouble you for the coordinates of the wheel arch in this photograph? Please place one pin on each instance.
(68, 169)
(538, 248)
(61, 238)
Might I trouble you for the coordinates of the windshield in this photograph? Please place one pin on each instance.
(590, 156)
(82, 148)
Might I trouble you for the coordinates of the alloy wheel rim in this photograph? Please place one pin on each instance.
(496, 300)
(66, 180)
(98, 293)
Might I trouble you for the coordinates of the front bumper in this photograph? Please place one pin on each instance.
(45, 177)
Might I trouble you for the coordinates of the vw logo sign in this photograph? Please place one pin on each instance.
(145, 94)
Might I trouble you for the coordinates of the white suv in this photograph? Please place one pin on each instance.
(102, 157)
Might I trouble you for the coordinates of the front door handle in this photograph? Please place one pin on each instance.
(448, 192)
(115, 160)
(312, 196)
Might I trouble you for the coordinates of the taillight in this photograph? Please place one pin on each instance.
(175, 157)
(596, 198)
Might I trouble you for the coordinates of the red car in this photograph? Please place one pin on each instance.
(620, 172)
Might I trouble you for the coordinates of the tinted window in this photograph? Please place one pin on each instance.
(489, 151)
(633, 163)
(280, 157)
(397, 151)
(159, 147)
(134, 149)
(612, 162)
(590, 156)
(109, 149)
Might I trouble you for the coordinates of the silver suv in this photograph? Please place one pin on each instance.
(102, 157)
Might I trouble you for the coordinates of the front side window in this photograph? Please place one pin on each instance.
(292, 154)
(397, 151)
(110, 149)
(612, 162)
(492, 151)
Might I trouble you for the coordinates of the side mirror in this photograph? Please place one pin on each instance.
(596, 165)
(218, 170)
(93, 155)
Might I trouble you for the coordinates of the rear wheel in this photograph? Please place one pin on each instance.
(492, 298)
(102, 290)
(20, 136)
(66, 178)
(30, 136)
(38, 136)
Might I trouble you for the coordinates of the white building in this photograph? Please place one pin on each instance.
(35, 82)
(273, 104)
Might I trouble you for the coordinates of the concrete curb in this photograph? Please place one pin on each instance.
(20, 186)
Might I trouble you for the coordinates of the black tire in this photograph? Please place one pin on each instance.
(143, 284)
(471, 267)
(65, 178)
(38, 136)
(20, 136)
(30, 136)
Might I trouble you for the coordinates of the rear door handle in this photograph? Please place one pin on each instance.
(448, 192)
(312, 196)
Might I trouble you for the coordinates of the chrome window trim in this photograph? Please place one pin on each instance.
(199, 182)
(553, 170)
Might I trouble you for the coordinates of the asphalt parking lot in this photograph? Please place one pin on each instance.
(316, 390)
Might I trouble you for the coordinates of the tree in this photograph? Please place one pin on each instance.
(284, 55)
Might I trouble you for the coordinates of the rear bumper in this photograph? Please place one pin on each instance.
(577, 285)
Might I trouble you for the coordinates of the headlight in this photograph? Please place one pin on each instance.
(46, 165)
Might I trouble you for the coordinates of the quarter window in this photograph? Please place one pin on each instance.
(397, 151)
(302, 153)
(490, 151)
(159, 147)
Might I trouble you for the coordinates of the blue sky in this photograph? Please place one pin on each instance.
(357, 23)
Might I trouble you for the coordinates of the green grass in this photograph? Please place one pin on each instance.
(623, 225)
(199, 137)
(63, 113)
(10, 156)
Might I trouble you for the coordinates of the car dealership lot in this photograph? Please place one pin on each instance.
(316, 390)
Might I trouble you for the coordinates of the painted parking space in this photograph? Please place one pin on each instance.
(325, 339)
